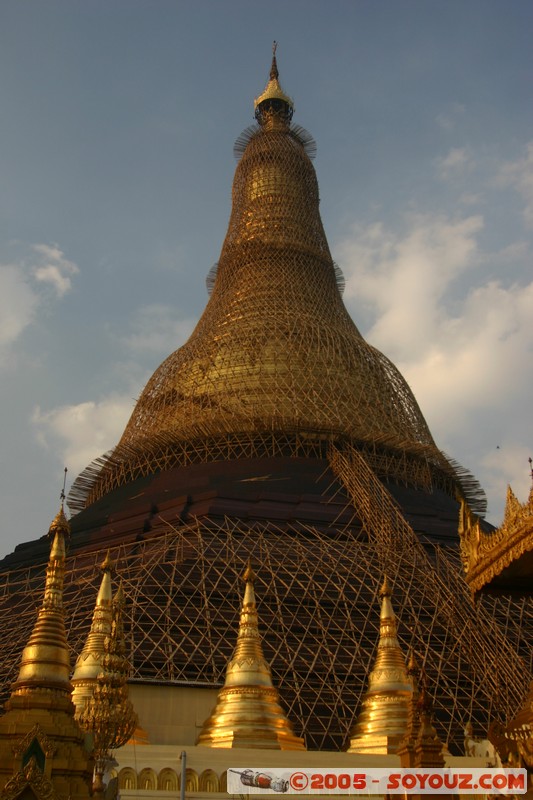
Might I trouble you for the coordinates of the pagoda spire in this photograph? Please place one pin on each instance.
(89, 663)
(109, 714)
(43, 751)
(275, 343)
(407, 745)
(382, 722)
(248, 712)
(45, 662)
(273, 108)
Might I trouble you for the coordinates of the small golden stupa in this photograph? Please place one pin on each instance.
(45, 662)
(248, 712)
(382, 723)
(43, 751)
(89, 663)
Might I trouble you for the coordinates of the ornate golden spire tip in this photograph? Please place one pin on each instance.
(107, 564)
(249, 574)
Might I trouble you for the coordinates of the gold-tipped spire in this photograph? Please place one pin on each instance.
(248, 712)
(43, 752)
(421, 746)
(109, 714)
(382, 722)
(273, 104)
(428, 747)
(408, 743)
(45, 663)
(89, 663)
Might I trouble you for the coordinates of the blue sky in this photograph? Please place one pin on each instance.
(116, 160)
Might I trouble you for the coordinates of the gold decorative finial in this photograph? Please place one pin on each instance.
(273, 108)
(248, 712)
(249, 574)
(107, 564)
(45, 662)
(413, 667)
(60, 521)
(382, 722)
(274, 74)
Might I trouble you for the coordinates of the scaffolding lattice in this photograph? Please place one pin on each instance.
(275, 350)
(319, 617)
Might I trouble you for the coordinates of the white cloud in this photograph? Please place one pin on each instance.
(18, 303)
(455, 163)
(514, 253)
(84, 431)
(480, 359)
(54, 269)
(519, 175)
(507, 464)
(20, 295)
(404, 278)
(467, 357)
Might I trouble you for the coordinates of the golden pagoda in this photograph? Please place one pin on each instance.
(89, 663)
(43, 751)
(382, 722)
(108, 714)
(277, 432)
(248, 712)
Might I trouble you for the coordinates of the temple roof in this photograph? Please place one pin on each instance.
(501, 561)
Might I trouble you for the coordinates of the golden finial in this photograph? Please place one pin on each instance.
(60, 522)
(406, 747)
(249, 574)
(274, 74)
(107, 564)
(248, 712)
(119, 599)
(273, 108)
(413, 667)
(382, 722)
